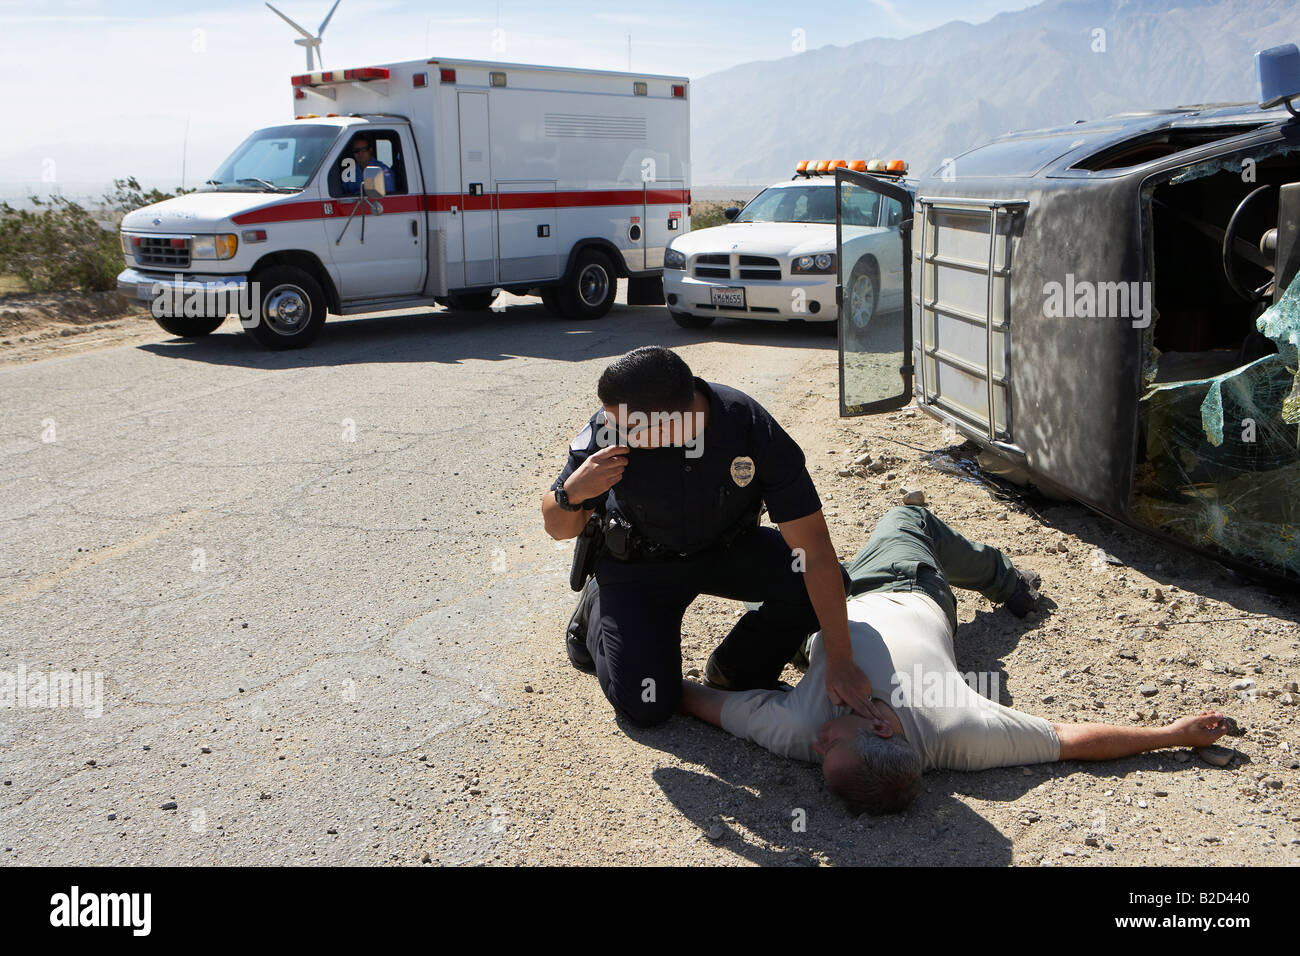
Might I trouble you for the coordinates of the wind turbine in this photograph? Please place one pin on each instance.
(312, 43)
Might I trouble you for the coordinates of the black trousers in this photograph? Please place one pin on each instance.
(634, 631)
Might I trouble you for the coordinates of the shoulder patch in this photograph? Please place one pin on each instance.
(583, 441)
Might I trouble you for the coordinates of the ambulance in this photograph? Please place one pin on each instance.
(429, 181)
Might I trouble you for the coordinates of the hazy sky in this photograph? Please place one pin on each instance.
(106, 89)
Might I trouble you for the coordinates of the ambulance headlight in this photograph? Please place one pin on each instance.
(823, 263)
(674, 259)
(221, 246)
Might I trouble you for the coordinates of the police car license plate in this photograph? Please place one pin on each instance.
(734, 298)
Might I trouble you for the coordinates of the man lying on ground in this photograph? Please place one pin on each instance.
(924, 716)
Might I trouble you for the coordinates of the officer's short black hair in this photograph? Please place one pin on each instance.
(649, 379)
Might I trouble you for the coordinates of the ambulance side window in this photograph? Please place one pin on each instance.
(389, 152)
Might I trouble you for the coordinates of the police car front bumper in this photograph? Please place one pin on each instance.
(146, 286)
(808, 298)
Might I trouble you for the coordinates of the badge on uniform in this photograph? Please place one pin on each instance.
(742, 470)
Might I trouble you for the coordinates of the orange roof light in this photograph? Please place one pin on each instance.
(858, 165)
(838, 163)
(802, 167)
(823, 165)
(897, 166)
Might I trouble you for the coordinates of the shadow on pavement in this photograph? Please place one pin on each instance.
(443, 337)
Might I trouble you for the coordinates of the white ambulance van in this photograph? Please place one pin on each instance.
(430, 181)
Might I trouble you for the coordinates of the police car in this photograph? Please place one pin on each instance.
(777, 258)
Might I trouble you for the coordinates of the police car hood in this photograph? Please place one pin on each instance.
(200, 212)
(760, 239)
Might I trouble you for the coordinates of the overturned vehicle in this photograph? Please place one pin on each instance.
(1111, 309)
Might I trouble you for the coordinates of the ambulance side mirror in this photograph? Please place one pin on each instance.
(731, 212)
(373, 181)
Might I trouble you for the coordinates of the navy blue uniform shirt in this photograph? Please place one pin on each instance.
(686, 504)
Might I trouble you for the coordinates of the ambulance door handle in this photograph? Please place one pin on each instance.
(415, 228)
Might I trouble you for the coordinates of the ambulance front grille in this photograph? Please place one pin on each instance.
(159, 251)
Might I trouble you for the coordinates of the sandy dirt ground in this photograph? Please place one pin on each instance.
(1130, 632)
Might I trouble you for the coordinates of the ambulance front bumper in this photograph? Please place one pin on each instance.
(145, 287)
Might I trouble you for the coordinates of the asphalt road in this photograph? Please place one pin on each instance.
(291, 572)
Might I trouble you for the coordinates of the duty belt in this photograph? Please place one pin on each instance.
(624, 542)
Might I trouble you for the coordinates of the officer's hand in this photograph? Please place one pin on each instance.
(847, 685)
(599, 473)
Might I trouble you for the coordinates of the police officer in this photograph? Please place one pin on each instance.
(678, 470)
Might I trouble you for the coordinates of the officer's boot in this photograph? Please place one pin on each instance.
(575, 635)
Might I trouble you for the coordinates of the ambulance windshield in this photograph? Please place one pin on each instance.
(278, 159)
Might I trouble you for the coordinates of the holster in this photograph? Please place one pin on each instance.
(591, 541)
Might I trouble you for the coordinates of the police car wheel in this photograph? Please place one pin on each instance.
(863, 294)
(590, 290)
(475, 302)
(190, 327)
(291, 308)
(551, 299)
(688, 321)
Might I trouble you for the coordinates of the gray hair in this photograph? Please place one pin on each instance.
(886, 780)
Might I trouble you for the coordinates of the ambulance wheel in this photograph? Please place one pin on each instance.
(551, 299)
(590, 290)
(291, 311)
(474, 302)
(190, 327)
(688, 321)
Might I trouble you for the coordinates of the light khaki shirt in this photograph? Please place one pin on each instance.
(903, 643)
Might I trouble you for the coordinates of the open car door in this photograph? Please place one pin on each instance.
(873, 290)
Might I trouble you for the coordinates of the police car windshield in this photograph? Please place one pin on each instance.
(792, 204)
(279, 159)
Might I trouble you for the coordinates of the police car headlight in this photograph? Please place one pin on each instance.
(674, 259)
(823, 263)
(221, 246)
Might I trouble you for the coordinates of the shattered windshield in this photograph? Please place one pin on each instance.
(278, 159)
(1222, 462)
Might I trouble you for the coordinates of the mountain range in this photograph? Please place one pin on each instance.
(936, 94)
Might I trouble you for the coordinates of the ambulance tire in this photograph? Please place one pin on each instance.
(590, 290)
(551, 299)
(474, 302)
(190, 327)
(688, 321)
(291, 311)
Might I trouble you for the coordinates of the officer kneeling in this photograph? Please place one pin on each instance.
(676, 471)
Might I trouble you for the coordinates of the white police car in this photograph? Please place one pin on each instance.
(776, 259)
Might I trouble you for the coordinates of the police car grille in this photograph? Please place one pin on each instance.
(155, 251)
(712, 266)
(759, 267)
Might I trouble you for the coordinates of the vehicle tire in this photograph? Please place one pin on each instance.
(474, 302)
(291, 308)
(863, 294)
(551, 299)
(189, 326)
(688, 321)
(590, 290)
